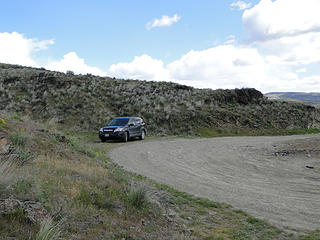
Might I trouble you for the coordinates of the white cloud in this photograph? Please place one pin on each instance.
(240, 5)
(286, 31)
(282, 18)
(302, 49)
(224, 66)
(301, 70)
(284, 38)
(71, 62)
(142, 67)
(164, 21)
(231, 39)
(17, 49)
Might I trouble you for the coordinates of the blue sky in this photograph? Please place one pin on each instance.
(207, 44)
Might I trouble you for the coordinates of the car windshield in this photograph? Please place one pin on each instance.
(119, 122)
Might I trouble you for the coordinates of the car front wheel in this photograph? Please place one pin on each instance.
(143, 135)
(125, 137)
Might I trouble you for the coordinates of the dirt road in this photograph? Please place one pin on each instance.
(272, 178)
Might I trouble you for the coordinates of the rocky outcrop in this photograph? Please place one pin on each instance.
(33, 210)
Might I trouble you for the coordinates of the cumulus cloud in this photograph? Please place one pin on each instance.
(164, 21)
(15, 48)
(71, 62)
(231, 39)
(240, 5)
(282, 18)
(301, 70)
(286, 31)
(302, 49)
(142, 67)
(224, 66)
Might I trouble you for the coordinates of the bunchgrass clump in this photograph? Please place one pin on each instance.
(19, 139)
(137, 197)
(95, 197)
(49, 230)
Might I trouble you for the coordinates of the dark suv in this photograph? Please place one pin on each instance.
(124, 128)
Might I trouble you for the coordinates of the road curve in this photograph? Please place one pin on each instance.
(242, 171)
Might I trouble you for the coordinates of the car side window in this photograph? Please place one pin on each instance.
(139, 121)
(131, 121)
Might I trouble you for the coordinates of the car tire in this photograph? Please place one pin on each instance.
(143, 135)
(103, 139)
(125, 137)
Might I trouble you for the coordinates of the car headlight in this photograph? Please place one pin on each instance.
(101, 129)
(118, 129)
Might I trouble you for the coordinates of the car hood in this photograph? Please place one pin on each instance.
(112, 127)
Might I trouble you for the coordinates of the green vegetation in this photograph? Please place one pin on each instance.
(57, 162)
(73, 178)
(136, 197)
(19, 139)
(2, 122)
(88, 102)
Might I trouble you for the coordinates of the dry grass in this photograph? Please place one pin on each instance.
(49, 230)
(7, 173)
(97, 200)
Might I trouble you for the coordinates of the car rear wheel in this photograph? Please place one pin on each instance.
(143, 135)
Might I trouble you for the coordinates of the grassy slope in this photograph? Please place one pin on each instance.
(88, 102)
(73, 179)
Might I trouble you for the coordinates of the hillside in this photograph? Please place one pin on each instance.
(88, 102)
(313, 97)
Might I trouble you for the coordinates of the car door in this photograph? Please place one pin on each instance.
(139, 124)
(132, 127)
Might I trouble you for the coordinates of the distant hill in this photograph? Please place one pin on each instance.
(89, 102)
(313, 97)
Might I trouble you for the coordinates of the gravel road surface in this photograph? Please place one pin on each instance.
(272, 178)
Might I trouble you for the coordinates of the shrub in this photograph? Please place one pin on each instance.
(16, 117)
(24, 156)
(19, 139)
(136, 197)
(95, 197)
(16, 215)
(2, 122)
(22, 186)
